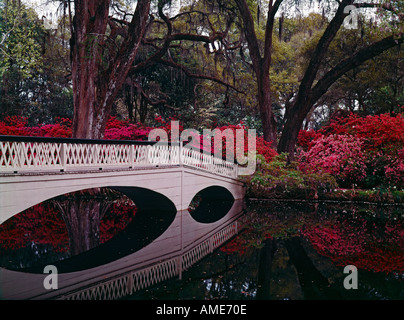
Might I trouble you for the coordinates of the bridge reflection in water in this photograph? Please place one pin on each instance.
(163, 239)
(158, 244)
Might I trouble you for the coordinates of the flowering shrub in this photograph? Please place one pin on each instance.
(306, 138)
(210, 144)
(339, 155)
(395, 170)
(383, 132)
(123, 130)
(17, 126)
(376, 157)
(278, 179)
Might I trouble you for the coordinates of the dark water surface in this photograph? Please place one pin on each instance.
(287, 250)
(298, 251)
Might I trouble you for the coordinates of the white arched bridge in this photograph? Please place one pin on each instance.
(154, 176)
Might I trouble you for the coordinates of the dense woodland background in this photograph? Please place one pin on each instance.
(310, 76)
(199, 61)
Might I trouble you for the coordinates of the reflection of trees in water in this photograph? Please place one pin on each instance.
(295, 240)
(64, 226)
(347, 235)
(275, 259)
(82, 212)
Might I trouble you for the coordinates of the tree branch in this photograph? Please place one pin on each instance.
(249, 30)
(320, 52)
(350, 63)
(189, 74)
(385, 6)
(272, 10)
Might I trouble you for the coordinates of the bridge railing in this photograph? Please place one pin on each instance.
(24, 154)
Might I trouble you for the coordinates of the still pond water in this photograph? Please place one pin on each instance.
(292, 250)
(287, 250)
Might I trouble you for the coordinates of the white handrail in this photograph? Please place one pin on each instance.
(25, 156)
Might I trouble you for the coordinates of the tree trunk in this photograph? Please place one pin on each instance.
(82, 213)
(261, 63)
(89, 25)
(308, 95)
(98, 75)
(291, 129)
(304, 101)
(264, 270)
(265, 107)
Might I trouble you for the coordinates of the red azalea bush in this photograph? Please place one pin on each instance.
(123, 130)
(394, 170)
(262, 147)
(383, 132)
(340, 155)
(18, 126)
(376, 144)
(62, 128)
(306, 138)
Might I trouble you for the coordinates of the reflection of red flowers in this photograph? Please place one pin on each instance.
(40, 224)
(118, 217)
(377, 248)
(239, 245)
(346, 240)
(43, 225)
(236, 245)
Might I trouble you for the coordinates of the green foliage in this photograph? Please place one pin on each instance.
(34, 67)
(20, 50)
(377, 195)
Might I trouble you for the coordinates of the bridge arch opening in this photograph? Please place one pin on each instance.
(211, 204)
(144, 216)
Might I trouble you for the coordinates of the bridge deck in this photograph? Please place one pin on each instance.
(28, 154)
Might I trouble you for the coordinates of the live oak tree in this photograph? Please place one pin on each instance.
(105, 51)
(98, 73)
(105, 48)
(312, 86)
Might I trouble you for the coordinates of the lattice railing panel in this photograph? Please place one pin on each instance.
(208, 162)
(129, 283)
(196, 254)
(110, 290)
(134, 281)
(225, 234)
(16, 155)
(20, 156)
(154, 274)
